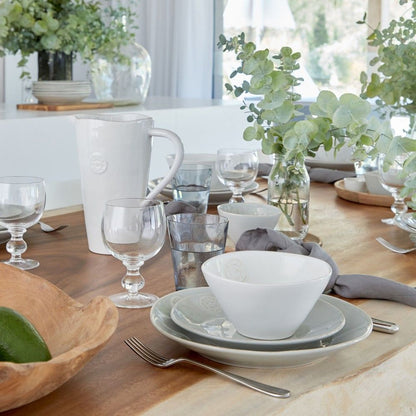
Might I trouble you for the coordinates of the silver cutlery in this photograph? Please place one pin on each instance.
(49, 229)
(158, 360)
(384, 326)
(44, 227)
(394, 248)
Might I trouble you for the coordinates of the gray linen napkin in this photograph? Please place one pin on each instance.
(346, 285)
(324, 175)
(264, 169)
(178, 207)
(328, 175)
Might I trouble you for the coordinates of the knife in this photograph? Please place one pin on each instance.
(384, 326)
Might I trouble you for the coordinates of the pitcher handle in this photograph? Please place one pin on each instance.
(174, 138)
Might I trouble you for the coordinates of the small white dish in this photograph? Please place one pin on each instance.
(55, 98)
(266, 294)
(358, 326)
(355, 184)
(202, 315)
(248, 216)
(61, 92)
(70, 86)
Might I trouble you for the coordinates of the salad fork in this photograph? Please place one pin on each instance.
(394, 248)
(158, 360)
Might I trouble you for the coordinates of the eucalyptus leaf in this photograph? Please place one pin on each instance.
(250, 133)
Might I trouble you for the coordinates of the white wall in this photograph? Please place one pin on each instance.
(44, 144)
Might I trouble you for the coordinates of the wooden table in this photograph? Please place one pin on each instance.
(375, 376)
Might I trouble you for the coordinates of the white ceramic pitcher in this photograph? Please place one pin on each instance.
(114, 153)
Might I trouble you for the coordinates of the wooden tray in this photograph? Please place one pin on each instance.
(362, 197)
(63, 107)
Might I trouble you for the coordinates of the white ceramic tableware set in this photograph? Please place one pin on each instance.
(261, 309)
(61, 92)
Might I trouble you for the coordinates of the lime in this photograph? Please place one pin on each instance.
(20, 342)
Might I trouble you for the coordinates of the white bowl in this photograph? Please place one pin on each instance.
(374, 186)
(355, 184)
(343, 155)
(266, 294)
(248, 216)
(206, 159)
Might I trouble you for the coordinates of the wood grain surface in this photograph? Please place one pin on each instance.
(362, 197)
(63, 107)
(116, 382)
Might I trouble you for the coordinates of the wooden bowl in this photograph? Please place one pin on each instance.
(72, 331)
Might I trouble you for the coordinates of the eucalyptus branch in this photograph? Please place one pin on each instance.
(274, 117)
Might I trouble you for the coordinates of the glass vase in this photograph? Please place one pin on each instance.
(125, 82)
(289, 190)
(54, 66)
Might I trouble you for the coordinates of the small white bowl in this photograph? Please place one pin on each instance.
(266, 294)
(374, 186)
(248, 216)
(355, 184)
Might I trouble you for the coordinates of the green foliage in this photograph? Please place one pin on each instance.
(274, 120)
(394, 87)
(69, 26)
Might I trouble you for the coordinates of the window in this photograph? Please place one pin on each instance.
(333, 46)
(334, 49)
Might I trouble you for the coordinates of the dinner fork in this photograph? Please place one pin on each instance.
(158, 360)
(394, 248)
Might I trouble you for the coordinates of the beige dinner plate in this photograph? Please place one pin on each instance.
(358, 326)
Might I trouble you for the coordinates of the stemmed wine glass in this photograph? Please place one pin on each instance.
(22, 202)
(237, 169)
(393, 181)
(133, 229)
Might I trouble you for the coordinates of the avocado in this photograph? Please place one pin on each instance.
(20, 342)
